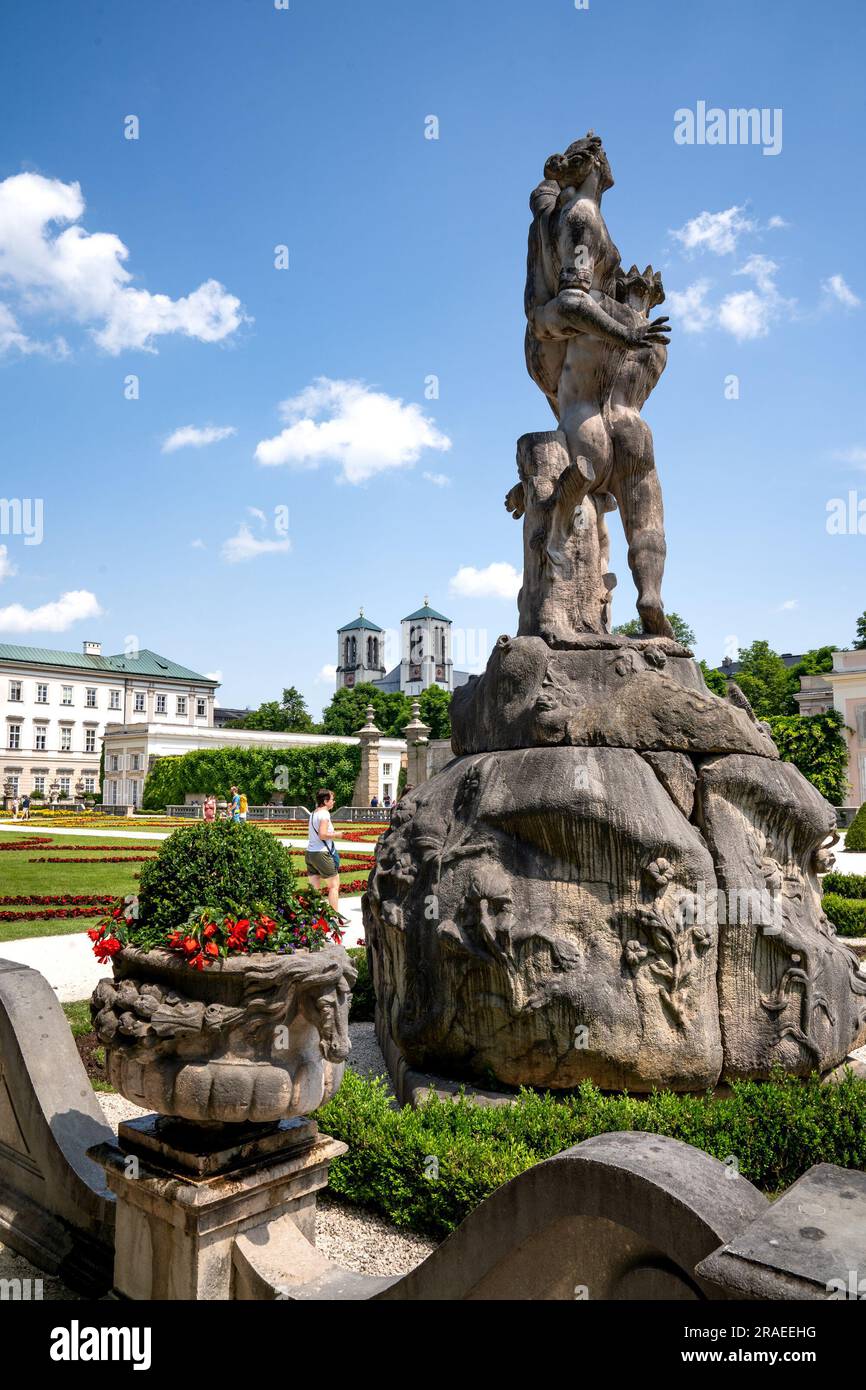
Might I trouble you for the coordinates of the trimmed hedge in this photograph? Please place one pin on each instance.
(855, 835)
(426, 1169)
(848, 915)
(296, 773)
(846, 885)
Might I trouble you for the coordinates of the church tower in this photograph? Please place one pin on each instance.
(360, 652)
(426, 651)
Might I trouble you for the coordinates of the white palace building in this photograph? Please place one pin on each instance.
(55, 706)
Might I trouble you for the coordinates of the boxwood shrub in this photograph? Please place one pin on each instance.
(426, 1169)
(848, 915)
(846, 885)
(855, 835)
(217, 864)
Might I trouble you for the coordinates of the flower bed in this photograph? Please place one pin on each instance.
(32, 842)
(49, 913)
(104, 859)
(59, 899)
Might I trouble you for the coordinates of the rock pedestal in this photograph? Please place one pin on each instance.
(615, 880)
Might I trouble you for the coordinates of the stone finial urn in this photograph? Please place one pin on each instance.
(251, 1039)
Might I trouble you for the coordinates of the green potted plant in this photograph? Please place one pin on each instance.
(230, 994)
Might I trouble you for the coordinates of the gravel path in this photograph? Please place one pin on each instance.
(356, 1239)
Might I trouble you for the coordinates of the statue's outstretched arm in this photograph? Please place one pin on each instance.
(574, 311)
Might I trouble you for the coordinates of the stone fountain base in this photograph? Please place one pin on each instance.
(557, 906)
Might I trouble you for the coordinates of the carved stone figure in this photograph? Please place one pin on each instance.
(616, 878)
(251, 1039)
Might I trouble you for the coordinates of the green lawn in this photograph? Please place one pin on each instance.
(20, 878)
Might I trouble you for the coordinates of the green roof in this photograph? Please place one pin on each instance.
(360, 622)
(426, 612)
(146, 663)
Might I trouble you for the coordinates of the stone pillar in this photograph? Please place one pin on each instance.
(184, 1192)
(416, 734)
(367, 785)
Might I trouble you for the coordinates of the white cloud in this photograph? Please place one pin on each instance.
(13, 338)
(192, 437)
(748, 314)
(214, 676)
(7, 568)
(198, 544)
(788, 606)
(437, 479)
(498, 580)
(776, 221)
(258, 514)
(364, 431)
(690, 305)
(327, 675)
(718, 232)
(246, 546)
(70, 608)
(81, 275)
(836, 288)
(855, 455)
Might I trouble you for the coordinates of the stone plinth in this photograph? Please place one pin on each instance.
(367, 782)
(175, 1231)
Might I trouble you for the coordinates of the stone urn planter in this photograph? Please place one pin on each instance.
(250, 1040)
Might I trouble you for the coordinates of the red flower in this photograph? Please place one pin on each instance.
(260, 934)
(190, 945)
(104, 950)
(212, 949)
(268, 923)
(242, 924)
(197, 962)
(210, 930)
(95, 933)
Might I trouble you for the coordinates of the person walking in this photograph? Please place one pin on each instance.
(210, 808)
(243, 807)
(25, 807)
(321, 858)
(235, 805)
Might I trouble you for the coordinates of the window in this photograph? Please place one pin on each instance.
(160, 704)
(135, 762)
(14, 782)
(66, 738)
(42, 694)
(65, 784)
(90, 697)
(90, 740)
(39, 783)
(14, 736)
(133, 793)
(90, 784)
(386, 769)
(181, 704)
(138, 702)
(66, 697)
(114, 699)
(15, 691)
(861, 724)
(41, 737)
(113, 764)
(201, 709)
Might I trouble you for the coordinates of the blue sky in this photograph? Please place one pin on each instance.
(305, 128)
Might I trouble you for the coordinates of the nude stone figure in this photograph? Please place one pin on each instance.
(596, 355)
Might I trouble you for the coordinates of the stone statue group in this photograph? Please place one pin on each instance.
(595, 353)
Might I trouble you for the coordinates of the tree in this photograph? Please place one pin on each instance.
(682, 632)
(288, 717)
(860, 644)
(815, 743)
(716, 682)
(765, 680)
(435, 710)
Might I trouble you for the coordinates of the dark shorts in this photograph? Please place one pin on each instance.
(320, 862)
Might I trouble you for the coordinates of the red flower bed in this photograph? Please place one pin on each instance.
(355, 885)
(108, 859)
(58, 899)
(31, 842)
(48, 912)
